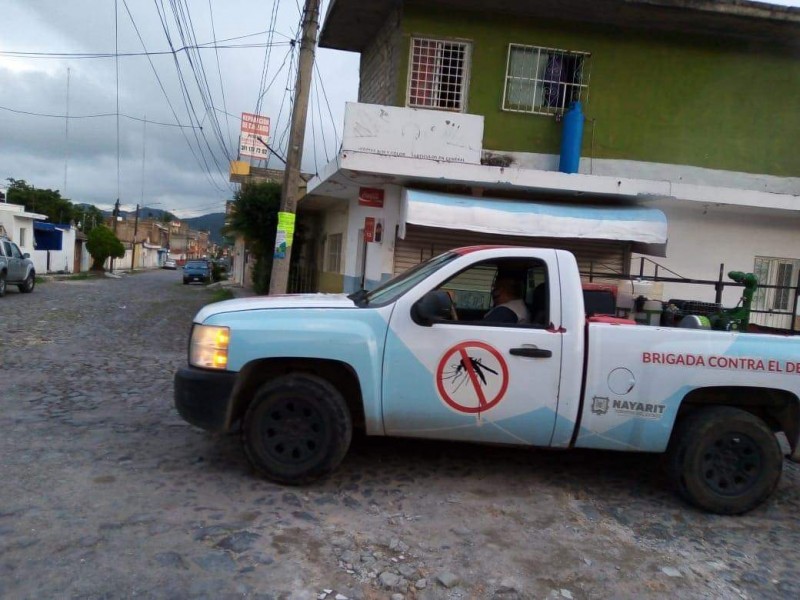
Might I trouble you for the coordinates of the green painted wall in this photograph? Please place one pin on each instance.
(664, 98)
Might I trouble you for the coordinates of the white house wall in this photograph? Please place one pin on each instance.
(703, 237)
(379, 256)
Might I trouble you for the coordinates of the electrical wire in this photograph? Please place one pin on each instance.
(203, 164)
(187, 99)
(93, 116)
(102, 55)
(219, 72)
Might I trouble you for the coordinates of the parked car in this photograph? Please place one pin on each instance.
(16, 268)
(170, 264)
(197, 270)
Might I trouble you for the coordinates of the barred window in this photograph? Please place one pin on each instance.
(438, 74)
(333, 254)
(544, 81)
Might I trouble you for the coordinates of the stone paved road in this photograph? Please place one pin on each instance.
(106, 493)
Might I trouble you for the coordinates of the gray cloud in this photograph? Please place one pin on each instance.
(33, 148)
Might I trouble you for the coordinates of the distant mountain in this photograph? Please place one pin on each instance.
(212, 222)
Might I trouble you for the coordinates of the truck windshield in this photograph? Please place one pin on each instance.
(396, 287)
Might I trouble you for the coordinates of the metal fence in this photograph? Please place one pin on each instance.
(302, 280)
(770, 319)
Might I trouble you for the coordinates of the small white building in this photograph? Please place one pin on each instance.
(17, 225)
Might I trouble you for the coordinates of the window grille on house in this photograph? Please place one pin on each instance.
(781, 272)
(544, 81)
(438, 74)
(333, 256)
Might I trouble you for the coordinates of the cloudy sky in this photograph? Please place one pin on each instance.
(186, 177)
(184, 169)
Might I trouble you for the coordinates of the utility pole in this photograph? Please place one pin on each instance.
(135, 230)
(291, 180)
(115, 216)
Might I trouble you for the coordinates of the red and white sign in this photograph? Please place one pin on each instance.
(369, 229)
(370, 197)
(472, 377)
(254, 136)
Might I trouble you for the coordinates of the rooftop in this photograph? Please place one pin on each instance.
(351, 24)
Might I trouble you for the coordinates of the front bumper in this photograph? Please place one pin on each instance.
(204, 398)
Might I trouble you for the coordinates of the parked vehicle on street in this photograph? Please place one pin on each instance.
(16, 268)
(170, 264)
(197, 270)
(419, 357)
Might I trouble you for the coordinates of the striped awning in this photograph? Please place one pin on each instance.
(645, 228)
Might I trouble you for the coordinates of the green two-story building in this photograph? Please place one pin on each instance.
(683, 149)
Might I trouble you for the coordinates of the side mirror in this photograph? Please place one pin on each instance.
(432, 308)
(26, 255)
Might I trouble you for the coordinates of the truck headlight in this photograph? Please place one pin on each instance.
(208, 347)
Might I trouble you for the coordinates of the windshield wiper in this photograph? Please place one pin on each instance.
(359, 297)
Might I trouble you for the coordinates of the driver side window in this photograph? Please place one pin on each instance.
(501, 292)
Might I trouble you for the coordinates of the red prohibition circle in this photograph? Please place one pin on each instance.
(484, 404)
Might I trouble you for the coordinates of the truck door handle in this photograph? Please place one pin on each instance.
(531, 352)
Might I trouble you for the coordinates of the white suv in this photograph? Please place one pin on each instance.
(16, 268)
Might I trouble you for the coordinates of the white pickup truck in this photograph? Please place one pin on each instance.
(416, 358)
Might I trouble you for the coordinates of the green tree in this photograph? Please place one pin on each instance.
(101, 244)
(88, 216)
(42, 201)
(254, 215)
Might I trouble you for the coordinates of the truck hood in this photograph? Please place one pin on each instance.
(271, 302)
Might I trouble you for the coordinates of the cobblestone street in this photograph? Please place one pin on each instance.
(107, 493)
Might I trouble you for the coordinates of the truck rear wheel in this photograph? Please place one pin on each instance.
(297, 429)
(26, 287)
(724, 460)
(2, 284)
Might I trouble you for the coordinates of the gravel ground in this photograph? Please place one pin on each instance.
(107, 493)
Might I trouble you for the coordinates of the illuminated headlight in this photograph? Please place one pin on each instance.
(209, 347)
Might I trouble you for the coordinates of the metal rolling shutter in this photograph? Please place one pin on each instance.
(421, 243)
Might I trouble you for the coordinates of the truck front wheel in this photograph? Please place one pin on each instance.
(297, 429)
(724, 460)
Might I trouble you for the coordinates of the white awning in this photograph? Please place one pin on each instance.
(645, 227)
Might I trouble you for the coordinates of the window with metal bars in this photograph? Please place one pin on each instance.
(544, 81)
(333, 254)
(780, 272)
(438, 74)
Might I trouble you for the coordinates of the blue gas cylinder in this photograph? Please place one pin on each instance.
(571, 139)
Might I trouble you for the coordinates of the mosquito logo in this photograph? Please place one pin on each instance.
(458, 373)
(472, 377)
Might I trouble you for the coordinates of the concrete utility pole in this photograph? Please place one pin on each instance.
(115, 214)
(291, 181)
(135, 230)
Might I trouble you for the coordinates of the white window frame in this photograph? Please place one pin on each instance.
(465, 75)
(540, 83)
(333, 253)
(22, 235)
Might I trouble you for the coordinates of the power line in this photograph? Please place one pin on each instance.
(98, 55)
(187, 100)
(92, 116)
(219, 72)
(203, 164)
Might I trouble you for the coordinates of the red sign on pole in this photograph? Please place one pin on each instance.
(370, 197)
(369, 229)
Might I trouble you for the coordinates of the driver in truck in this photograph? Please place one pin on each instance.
(509, 307)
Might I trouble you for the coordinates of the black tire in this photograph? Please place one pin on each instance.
(26, 287)
(185, 282)
(2, 284)
(724, 460)
(297, 429)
